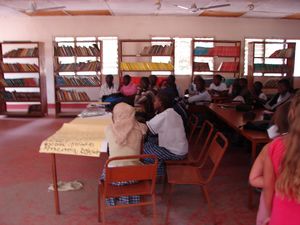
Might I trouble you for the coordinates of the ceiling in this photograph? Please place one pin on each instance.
(289, 9)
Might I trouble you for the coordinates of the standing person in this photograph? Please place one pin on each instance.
(128, 88)
(282, 173)
(167, 124)
(124, 138)
(217, 87)
(108, 88)
(200, 94)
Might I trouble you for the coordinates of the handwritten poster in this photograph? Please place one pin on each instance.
(81, 137)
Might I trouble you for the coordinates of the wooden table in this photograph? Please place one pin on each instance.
(80, 137)
(235, 120)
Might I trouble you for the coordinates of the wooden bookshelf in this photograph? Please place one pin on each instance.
(17, 78)
(138, 53)
(226, 56)
(280, 61)
(83, 71)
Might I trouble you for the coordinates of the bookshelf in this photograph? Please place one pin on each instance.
(211, 57)
(21, 79)
(271, 59)
(135, 56)
(77, 71)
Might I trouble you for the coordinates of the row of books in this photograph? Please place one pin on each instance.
(224, 67)
(20, 82)
(270, 68)
(227, 51)
(82, 66)
(19, 67)
(71, 95)
(20, 96)
(147, 66)
(283, 53)
(158, 50)
(92, 50)
(22, 52)
(77, 81)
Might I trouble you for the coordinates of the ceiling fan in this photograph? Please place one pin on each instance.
(194, 8)
(33, 8)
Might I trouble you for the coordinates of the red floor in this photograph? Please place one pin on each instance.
(25, 176)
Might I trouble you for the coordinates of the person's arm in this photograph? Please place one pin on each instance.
(269, 183)
(256, 178)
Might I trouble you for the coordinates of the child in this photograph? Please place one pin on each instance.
(201, 95)
(108, 88)
(168, 125)
(128, 88)
(282, 172)
(153, 83)
(124, 138)
(217, 87)
(257, 93)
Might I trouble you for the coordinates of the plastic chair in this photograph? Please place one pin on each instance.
(144, 176)
(186, 174)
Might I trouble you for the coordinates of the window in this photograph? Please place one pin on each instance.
(110, 55)
(297, 57)
(265, 50)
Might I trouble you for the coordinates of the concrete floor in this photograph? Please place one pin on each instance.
(26, 174)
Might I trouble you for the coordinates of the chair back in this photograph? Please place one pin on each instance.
(136, 172)
(215, 153)
(200, 147)
(192, 125)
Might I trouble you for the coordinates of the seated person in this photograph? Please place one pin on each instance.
(192, 90)
(108, 88)
(234, 89)
(282, 96)
(258, 96)
(244, 96)
(128, 88)
(171, 87)
(153, 83)
(124, 138)
(168, 125)
(201, 94)
(145, 97)
(217, 87)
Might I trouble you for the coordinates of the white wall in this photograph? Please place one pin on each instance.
(45, 29)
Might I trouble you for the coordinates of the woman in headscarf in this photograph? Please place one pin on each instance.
(124, 138)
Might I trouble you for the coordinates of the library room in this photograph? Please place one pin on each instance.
(178, 112)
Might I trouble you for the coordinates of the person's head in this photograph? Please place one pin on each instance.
(152, 80)
(197, 78)
(288, 183)
(123, 118)
(162, 101)
(257, 87)
(243, 82)
(171, 80)
(217, 79)
(283, 86)
(200, 83)
(126, 79)
(144, 83)
(109, 80)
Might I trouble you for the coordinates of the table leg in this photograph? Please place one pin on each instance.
(54, 179)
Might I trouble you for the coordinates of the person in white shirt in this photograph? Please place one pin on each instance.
(168, 125)
(200, 95)
(217, 87)
(283, 95)
(109, 87)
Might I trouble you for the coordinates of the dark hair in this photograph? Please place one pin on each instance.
(110, 76)
(127, 77)
(171, 79)
(165, 99)
(285, 82)
(258, 85)
(219, 77)
(152, 79)
(280, 117)
(145, 81)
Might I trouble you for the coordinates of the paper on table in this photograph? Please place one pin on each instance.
(75, 139)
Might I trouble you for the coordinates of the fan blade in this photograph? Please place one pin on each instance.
(182, 7)
(214, 6)
(50, 8)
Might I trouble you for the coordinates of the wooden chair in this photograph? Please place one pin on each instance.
(143, 174)
(198, 150)
(192, 124)
(186, 174)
